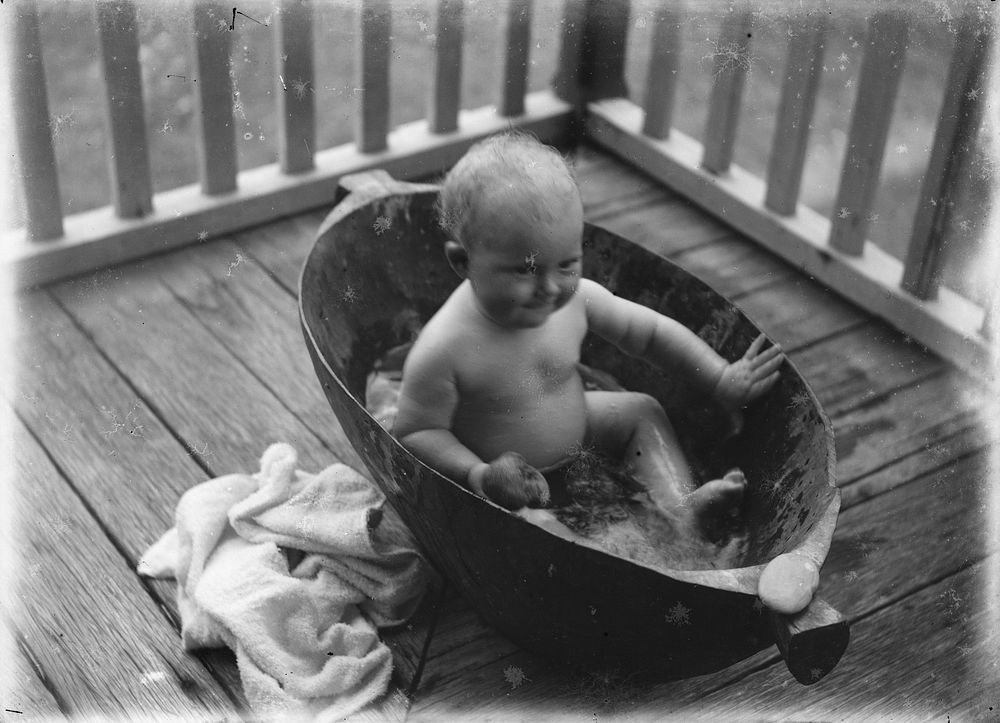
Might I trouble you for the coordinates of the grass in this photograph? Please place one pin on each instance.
(76, 96)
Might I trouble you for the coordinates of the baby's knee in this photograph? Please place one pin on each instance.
(645, 406)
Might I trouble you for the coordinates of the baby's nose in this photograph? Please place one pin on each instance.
(548, 284)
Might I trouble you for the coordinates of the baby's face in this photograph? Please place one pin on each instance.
(523, 271)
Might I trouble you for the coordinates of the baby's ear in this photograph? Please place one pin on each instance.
(457, 257)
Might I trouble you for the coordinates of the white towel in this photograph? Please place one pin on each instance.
(305, 640)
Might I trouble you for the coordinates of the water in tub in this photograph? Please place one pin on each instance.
(595, 503)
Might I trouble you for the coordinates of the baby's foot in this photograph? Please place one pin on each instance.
(717, 500)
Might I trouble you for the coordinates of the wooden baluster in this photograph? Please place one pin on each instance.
(128, 156)
(795, 111)
(515, 74)
(880, 73)
(295, 86)
(954, 140)
(732, 61)
(661, 79)
(36, 158)
(372, 127)
(446, 83)
(214, 98)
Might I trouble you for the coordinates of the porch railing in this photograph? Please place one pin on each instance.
(587, 101)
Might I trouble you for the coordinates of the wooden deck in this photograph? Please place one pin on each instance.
(138, 382)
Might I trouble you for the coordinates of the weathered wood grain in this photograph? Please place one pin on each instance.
(36, 157)
(295, 88)
(128, 156)
(371, 128)
(794, 118)
(910, 420)
(203, 392)
(731, 63)
(235, 300)
(882, 553)
(733, 266)
(942, 659)
(797, 312)
(109, 441)
(881, 70)
(97, 635)
(515, 66)
(952, 152)
(661, 76)
(104, 436)
(214, 97)
(664, 228)
(446, 80)
(23, 692)
(240, 343)
(862, 364)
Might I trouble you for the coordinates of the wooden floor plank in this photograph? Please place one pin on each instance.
(733, 266)
(205, 393)
(257, 321)
(99, 639)
(863, 364)
(797, 312)
(213, 383)
(664, 227)
(912, 661)
(108, 441)
(22, 690)
(883, 551)
(912, 418)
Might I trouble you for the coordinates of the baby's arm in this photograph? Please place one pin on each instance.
(640, 331)
(427, 404)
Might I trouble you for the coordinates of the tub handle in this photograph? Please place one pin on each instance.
(811, 641)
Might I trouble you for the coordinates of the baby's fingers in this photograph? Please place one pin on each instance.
(763, 386)
(768, 354)
(768, 363)
(754, 347)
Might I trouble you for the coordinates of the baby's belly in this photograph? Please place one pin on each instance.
(544, 429)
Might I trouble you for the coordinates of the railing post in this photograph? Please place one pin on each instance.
(881, 69)
(294, 87)
(592, 56)
(36, 158)
(661, 78)
(128, 157)
(372, 126)
(961, 111)
(446, 83)
(515, 74)
(731, 63)
(795, 111)
(214, 98)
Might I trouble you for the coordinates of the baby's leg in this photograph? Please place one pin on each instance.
(633, 426)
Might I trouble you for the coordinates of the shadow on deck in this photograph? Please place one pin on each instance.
(136, 383)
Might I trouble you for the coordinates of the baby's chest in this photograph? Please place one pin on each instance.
(504, 370)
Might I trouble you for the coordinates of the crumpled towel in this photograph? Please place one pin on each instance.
(305, 640)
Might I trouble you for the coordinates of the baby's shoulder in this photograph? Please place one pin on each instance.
(442, 336)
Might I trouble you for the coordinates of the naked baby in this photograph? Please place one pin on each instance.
(491, 393)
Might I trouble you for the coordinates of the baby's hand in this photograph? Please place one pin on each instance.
(745, 380)
(513, 483)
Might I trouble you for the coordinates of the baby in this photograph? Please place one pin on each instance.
(491, 393)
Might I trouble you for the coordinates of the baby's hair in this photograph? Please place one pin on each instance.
(510, 170)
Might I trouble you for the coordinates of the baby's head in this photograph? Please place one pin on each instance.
(515, 218)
